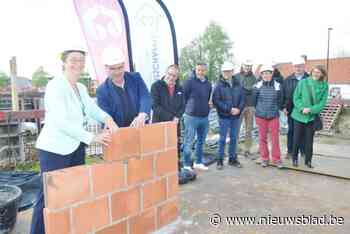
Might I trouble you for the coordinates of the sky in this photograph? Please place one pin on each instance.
(280, 30)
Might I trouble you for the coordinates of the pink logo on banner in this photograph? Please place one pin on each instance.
(104, 29)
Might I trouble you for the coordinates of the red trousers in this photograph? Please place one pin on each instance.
(266, 125)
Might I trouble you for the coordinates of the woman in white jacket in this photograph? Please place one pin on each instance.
(62, 141)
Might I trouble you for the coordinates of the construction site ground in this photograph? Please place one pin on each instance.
(253, 191)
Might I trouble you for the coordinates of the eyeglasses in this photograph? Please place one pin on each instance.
(77, 60)
(172, 75)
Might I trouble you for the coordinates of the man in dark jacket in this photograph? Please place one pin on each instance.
(123, 95)
(228, 100)
(168, 102)
(247, 81)
(289, 86)
(277, 76)
(197, 91)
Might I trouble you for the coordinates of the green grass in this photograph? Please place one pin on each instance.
(92, 159)
(34, 166)
(28, 166)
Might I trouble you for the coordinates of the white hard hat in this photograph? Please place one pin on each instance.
(72, 48)
(248, 62)
(298, 61)
(266, 68)
(112, 56)
(227, 66)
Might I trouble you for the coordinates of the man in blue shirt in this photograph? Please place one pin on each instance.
(197, 91)
(123, 95)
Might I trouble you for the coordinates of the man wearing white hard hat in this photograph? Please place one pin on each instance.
(267, 100)
(123, 95)
(228, 99)
(62, 140)
(289, 85)
(247, 81)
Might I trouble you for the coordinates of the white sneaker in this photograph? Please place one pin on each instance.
(200, 166)
(188, 168)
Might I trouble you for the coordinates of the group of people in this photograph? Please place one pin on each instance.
(123, 100)
(263, 98)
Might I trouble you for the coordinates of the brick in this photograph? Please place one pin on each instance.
(125, 203)
(107, 177)
(144, 223)
(166, 162)
(119, 228)
(171, 134)
(152, 138)
(167, 213)
(125, 143)
(59, 219)
(337, 72)
(173, 186)
(66, 186)
(154, 193)
(140, 170)
(90, 216)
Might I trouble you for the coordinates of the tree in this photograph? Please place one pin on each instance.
(40, 77)
(4, 79)
(212, 47)
(85, 79)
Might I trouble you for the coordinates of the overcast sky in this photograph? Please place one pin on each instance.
(35, 31)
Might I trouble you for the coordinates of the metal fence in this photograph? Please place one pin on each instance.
(94, 148)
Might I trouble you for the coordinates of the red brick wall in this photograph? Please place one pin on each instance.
(339, 69)
(134, 191)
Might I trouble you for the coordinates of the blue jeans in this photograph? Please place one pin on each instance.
(50, 162)
(290, 137)
(226, 125)
(193, 125)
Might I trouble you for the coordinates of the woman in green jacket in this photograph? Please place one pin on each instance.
(310, 97)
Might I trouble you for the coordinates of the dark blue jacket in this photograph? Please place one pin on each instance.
(289, 85)
(267, 99)
(109, 101)
(197, 94)
(226, 97)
